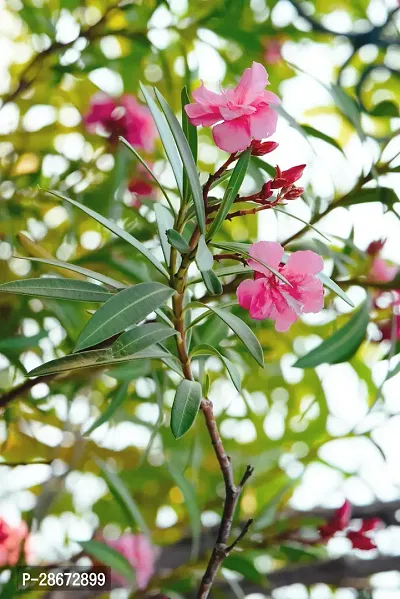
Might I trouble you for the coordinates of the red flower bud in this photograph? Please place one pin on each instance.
(343, 515)
(260, 148)
(266, 191)
(288, 177)
(294, 193)
(360, 541)
(375, 247)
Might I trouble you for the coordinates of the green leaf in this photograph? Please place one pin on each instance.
(384, 195)
(166, 138)
(191, 504)
(226, 271)
(177, 241)
(20, 343)
(244, 333)
(212, 282)
(232, 190)
(109, 557)
(141, 337)
(116, 230)
(335, 288)
(385, 108)
(204, 257)
(95, 359)
(165, 221)
(393, 372)
(86, 272)
(148, 169)
(348, 106)
(342, 345)
(302, 221)
(55, 287)
(268, 512)
(123, 498)
(185, 407)
(245, 567)
(190, 132)
(122, 311)
(115, 403)
(263, 166)
(188, 162)
(318, 134)
(207, 350)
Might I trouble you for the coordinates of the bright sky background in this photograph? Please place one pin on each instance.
(327, 171)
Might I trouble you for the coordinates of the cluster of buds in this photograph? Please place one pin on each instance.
(340, 522)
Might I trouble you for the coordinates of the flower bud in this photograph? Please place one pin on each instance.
(266, 191)
(260, 148)
(360, 541)
(288, 177)
(294, 193)
(375, 247)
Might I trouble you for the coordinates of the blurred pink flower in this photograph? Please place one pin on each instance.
(272, 52)
(121, 116)
(139, 553)
(244, 111)
(381, 270)
(140, 185)
(340, 521)
(268, 297)
(12, 541)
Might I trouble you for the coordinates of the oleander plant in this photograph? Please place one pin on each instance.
(197, 373)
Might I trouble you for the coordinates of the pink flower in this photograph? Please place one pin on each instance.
(381, 270)
(268, 297)
(386, 328)
(139, 553)
(121, 116)
(12, 541)
(243, 113)
(140, 185)
(272, 53)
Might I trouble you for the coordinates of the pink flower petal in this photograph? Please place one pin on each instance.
(202, 95)
(284, 317)
(233, 136)
(263, 122)
(382, 271)
(262, 301)
(252, 83)
(268, 252)
(201, 114)
(270, 98)
(245, 293)
(305, 261)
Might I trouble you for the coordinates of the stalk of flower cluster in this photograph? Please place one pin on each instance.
(178, 281)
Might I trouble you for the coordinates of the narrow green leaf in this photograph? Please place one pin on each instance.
(122, 311)
(86, 272)
(224, 177)
(342, 345)
(212, 282)
(207, 350)
(263, 166)
(115, 403)
(335, 288)
(302, 221)
(188, 162)
(123, 498)
(244, 333)
(383, 195)
(109, 557)
(348, 106)
(268, 512)
(141, 337)
(318, 134)
(232, 190)
(185, 407)
(204, 257)
(192, 506)
(165, 221)
(190, 132)
(114, 229)
(245, 567)
(98, 358)
(166, 138)
(55, 287)
(393, 372)
(20, 343)
(148, 169)
(177, 241)
(226, 271)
